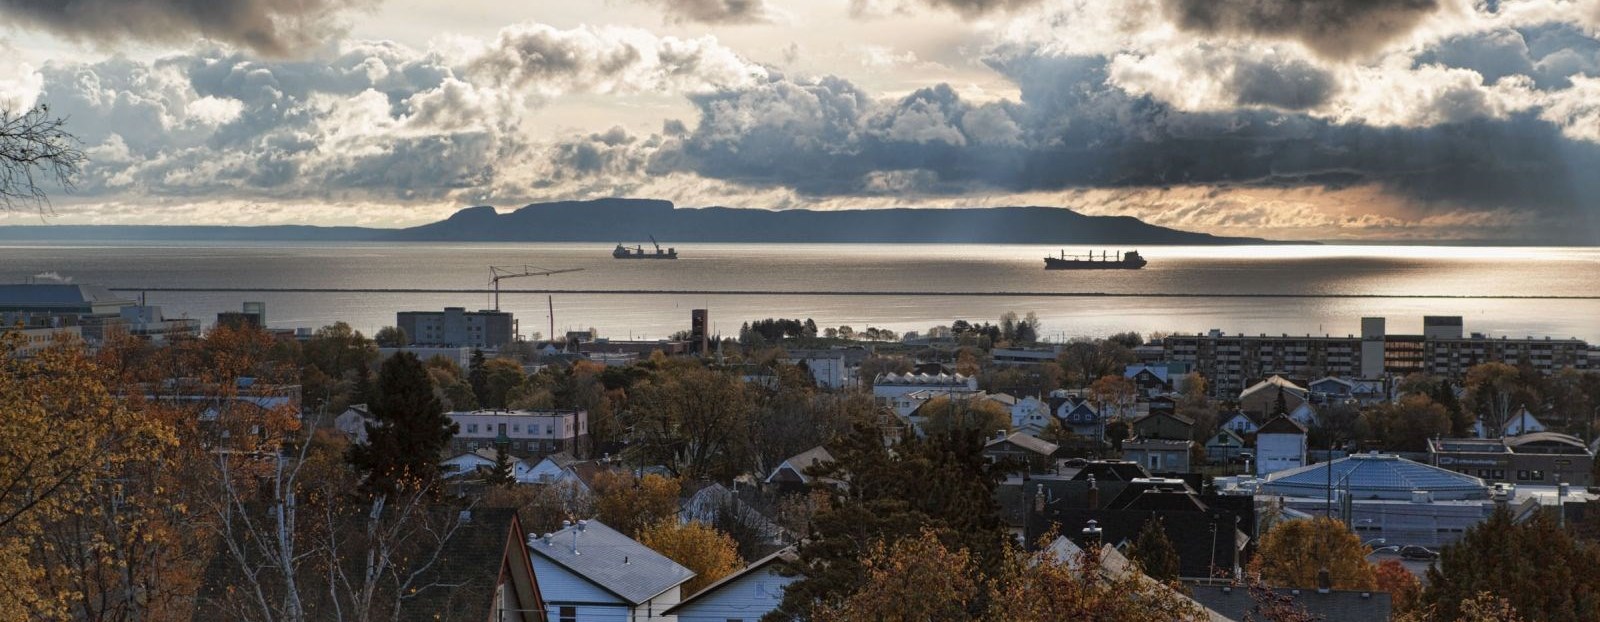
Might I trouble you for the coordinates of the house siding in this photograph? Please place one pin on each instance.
(746, 599)
(561, 587)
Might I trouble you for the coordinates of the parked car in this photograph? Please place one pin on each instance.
(1242, 458)
(1412, 551)
(1077, 462)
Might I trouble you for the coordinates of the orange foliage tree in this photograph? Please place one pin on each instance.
(710, 553)
(1293, 552)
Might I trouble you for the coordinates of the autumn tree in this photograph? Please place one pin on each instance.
(1055, 584)
(1405, 425)
(913, 579)
(1154, 552)
(408, 432)
(945, 413)
(63, 437)
(711, 554)
(1404, 589)
(942, 482)
(1495, 390)
(629, 504)
(391, 337)
(1114, 395)
(1295, 551)
(502, 377)
(694, 421)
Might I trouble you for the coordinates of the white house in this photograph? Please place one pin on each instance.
(1521, 423)
(1031, 415)
(1280, 445)
(1305, 414)
(744, 596)
(546, 471)
(353, 423)
(1241, 424)
(467, 463)
(591, 572)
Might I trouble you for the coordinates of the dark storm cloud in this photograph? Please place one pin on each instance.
(1290, 85)
(980, 7)
(1073, 130)
(275, 27)
(715, 11)
(1334, 28)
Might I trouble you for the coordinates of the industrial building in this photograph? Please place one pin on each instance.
(93, 309)
(1538, 458)
(1231, 363)
(456, 327)
(1385, 496)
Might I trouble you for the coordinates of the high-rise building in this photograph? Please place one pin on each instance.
(1232, 362)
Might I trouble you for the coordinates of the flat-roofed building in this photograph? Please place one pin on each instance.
(1232, 362)
(458, 328)
(1538, 458)
(527, 433)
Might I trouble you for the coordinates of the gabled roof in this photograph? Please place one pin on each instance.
(1281, 424)
(611, 561)
(1114, 565)
(560, 459)
(1272, 383)
(1335, 379)
(1225, 431)
(803, 461)
(1025, 441)
(1241, 414)
(1174, 416)
(784, 555)
(1160, 372)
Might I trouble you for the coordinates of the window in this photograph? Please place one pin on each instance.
(569, 614)
(472, 428)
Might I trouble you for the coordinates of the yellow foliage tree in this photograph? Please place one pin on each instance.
(1046, 586)
(62, 434)
(710, 553)
(914, 580)
(1293, 552)
(945, 414)
(630, 504)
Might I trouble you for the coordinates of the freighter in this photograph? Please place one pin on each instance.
(1129, 261)
(637, 252)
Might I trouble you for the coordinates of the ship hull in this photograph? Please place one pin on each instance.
(645, 256)
(1052, 263)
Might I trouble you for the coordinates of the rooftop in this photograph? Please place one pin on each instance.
(1375, 476)
(613, 561)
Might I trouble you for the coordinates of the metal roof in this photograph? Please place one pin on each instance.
(50, 295)
(613, 561)
(1374, 476)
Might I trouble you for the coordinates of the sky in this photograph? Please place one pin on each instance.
(1419, 120)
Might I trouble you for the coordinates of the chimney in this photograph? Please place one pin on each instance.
(1324, 581)
(1091, 536)
(1094, 494)
(1038, 499)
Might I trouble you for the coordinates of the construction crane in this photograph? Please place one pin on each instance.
(497, 273)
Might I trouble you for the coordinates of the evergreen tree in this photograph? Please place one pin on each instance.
(1543, 571)
(1282, 407)
(478, 377)
(408, 432)
(942, 483)
(364, 392)
(501, 474)
(1155, 552)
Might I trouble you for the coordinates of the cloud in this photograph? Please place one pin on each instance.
(275, 27)
(376, 120)
(1334, 28)
(717, 11)
(875, 9)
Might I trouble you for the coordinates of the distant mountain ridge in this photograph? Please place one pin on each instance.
(634, 220)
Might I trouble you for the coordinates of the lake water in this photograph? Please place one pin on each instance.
(1251, 289)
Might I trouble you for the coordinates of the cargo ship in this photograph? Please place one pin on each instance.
(637, 252)
(1129, 261)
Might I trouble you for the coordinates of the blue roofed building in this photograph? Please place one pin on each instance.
(1385, 496)
(592, 573)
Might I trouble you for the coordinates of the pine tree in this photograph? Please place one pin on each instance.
(1155, 552)
(478, 377)
(501, 474)
(364, 392)
(408, 432)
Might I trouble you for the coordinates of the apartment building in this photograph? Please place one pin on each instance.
(456, 327)
(528, 433)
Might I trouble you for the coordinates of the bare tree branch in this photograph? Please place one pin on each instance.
(35, 149)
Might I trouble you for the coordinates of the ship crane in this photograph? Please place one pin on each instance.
(497, 273)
